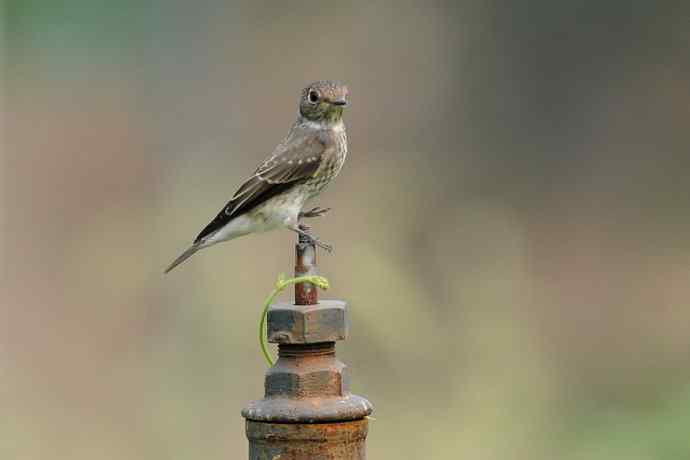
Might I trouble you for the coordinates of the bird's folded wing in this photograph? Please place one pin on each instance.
(293, 161)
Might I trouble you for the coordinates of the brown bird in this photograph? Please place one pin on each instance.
(300, 168)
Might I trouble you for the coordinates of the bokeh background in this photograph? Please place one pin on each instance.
(512, 229)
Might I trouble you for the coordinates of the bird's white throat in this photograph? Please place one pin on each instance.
(337, 126)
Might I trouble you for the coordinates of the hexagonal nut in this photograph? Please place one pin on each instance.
(294, 324)
(319, 378)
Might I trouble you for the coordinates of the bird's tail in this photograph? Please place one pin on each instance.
(189, 252)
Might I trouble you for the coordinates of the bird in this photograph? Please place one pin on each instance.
(300, 167)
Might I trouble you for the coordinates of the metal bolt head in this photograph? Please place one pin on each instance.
(300, 324)
(317, 377)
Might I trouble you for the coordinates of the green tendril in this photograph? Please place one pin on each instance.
(282, 283)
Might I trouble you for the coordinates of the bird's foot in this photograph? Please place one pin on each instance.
(305, 231)
(314, 212)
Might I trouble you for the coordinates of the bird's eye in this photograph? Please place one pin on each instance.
(313, 96)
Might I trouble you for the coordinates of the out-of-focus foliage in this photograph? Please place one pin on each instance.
(511, 228)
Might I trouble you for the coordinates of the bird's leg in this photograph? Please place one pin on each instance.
(305, 231)
(314, 212)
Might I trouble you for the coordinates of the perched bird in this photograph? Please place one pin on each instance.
(300, 168)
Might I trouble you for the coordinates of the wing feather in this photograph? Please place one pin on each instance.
(294, 161)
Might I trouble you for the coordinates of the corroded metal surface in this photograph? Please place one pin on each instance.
(324, 322)
(306, 371)
(305, 264)
(307, 412)
(307, 384)
(316, 441)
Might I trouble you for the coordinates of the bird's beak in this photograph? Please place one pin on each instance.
(340, 102)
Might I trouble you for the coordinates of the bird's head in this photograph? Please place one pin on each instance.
(323, 101)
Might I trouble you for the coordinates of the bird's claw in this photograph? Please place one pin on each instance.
(314, 212)
(305, 230)
(326, 247)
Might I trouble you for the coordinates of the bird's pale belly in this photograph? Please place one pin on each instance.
(278, 212)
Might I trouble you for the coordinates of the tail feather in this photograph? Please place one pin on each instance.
(189, 252)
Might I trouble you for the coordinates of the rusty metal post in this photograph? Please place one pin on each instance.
(307, 412)
(305, 264)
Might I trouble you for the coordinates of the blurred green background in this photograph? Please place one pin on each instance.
(511, 229)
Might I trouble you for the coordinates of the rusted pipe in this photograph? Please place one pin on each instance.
(307, 412)
(305, 264)
(313, 441)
